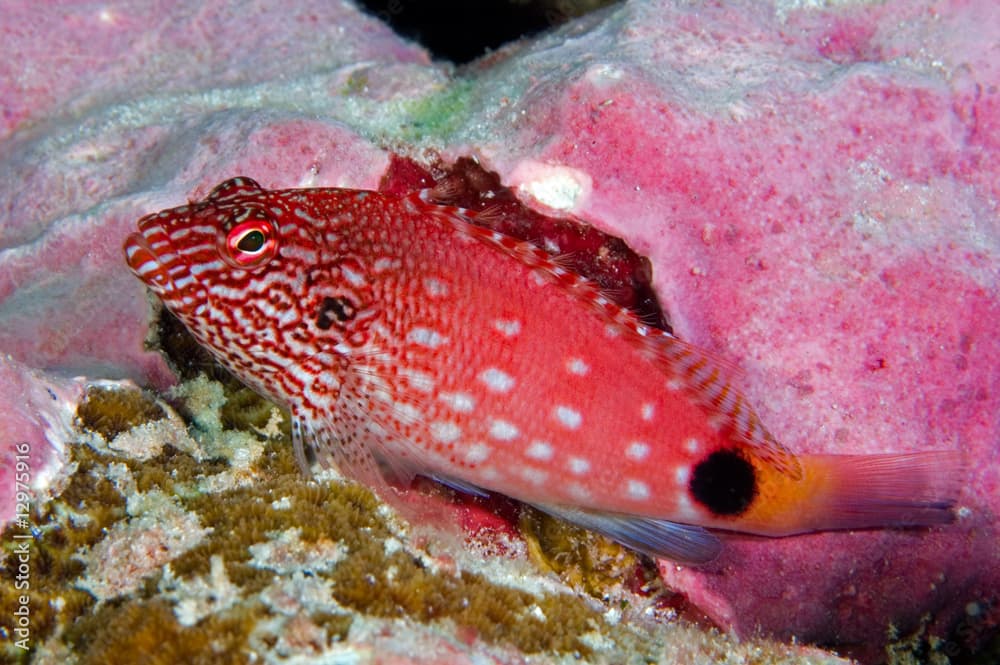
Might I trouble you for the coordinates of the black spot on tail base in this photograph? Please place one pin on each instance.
(724, 482)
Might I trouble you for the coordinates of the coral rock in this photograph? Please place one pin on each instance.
(815, 189)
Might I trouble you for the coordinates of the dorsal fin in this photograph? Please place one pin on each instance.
(234, 187)
(709, 383)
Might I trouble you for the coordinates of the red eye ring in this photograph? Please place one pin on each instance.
(251, 243)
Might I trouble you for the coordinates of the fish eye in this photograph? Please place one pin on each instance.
(251, 243)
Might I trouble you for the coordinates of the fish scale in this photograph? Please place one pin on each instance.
(406, 340)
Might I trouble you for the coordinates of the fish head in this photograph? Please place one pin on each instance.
(230, 268)
(181, 253)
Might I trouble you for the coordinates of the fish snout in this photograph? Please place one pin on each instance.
(143, 257)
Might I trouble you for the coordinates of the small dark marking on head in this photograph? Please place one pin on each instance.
(724, 482)
(334, 310)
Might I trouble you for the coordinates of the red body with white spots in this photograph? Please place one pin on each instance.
(406, 339)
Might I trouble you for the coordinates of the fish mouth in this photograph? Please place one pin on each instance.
(144, 259)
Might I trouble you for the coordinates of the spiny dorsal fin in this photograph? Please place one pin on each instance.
(708, 382)
(234, 187)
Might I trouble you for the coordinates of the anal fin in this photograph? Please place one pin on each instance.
(659, 539)
(459, 485)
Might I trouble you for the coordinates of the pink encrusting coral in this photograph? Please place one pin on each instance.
(36, 423)
(815, 189)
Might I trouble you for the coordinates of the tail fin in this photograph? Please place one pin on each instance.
(872, 491)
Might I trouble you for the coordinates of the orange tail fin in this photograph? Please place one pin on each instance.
(868, 491)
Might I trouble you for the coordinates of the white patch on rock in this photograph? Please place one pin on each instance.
(555, 186)
(201, 596)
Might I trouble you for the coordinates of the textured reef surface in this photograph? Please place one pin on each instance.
(815, 190)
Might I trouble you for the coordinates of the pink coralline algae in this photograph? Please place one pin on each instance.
(815, 190)
(37, 422)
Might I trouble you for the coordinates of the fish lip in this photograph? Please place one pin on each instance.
(143, 260)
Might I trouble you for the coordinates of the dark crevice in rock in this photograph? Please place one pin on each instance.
(461, 31)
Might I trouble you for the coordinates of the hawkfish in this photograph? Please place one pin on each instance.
(405, 340)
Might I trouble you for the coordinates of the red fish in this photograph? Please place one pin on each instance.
(406, 340)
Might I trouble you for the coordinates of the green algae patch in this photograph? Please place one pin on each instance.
(436, 116)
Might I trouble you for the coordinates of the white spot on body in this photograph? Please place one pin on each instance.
(578, 491)
(533, 475)
(507, 327)
(612, 330)
(684, 510)
(578, 465)
(182, 282)
(692, 445)
(426, 337)
(497, 380)
(637, 450)
(302, 214)
(647, 411)
(569, 418)
(501, 430)
(477, 453)
(355, 278)
(461, 402)
(435, 287)
(445, 431)
(540, 450)
(682, 474)
(407, 412)
(577, 366)
(383, 264)
(421, 381)
(636, 489)
(674, 385)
